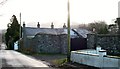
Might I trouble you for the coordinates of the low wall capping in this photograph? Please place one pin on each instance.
(115, 57)
(105, 34)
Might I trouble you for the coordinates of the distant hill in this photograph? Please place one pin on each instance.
(2, 37)
(3, 31)
(0, 31)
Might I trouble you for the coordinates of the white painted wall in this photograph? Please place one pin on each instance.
(16, 45)
(94, 60)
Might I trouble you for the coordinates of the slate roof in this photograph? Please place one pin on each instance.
(56, 31)
(33, 31)
(83, 32)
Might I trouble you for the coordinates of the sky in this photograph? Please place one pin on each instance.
(47, 11)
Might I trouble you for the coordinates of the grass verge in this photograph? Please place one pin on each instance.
(60, 62)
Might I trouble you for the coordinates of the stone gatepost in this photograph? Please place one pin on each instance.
(118, 22)
(91, 41)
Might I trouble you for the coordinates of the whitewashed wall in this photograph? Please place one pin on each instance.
(95, 60)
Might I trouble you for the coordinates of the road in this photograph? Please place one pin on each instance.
(13, 59)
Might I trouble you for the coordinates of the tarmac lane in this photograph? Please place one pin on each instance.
(10, 59)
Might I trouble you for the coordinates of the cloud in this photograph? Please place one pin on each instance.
(3, 2)
(1, 15)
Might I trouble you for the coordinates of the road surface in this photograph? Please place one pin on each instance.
(12, 59)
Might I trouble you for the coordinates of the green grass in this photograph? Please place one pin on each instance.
(49, 54)
(60, 61)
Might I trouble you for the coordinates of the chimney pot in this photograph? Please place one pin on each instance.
(64, 26)
(38, 25)
(23, 24)
(52, 26)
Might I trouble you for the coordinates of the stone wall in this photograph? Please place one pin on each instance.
(111, 43)
(63, 43)
(0, 37)
(26, 45)
(91, 41)
(49, 43)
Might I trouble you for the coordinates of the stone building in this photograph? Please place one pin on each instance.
(48, 40)
(50, 43)
(0, 38)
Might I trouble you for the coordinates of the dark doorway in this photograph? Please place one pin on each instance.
(78, 44)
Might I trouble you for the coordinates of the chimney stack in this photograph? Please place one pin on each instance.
(52, 26)
(64, 26)
(23, 24)
(38, 25)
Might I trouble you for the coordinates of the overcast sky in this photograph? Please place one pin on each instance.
(47, 11)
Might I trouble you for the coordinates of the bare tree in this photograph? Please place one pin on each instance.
(99, 27)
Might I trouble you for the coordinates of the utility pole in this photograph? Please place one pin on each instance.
(20, 26)
(19, 34)
(68, 36)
